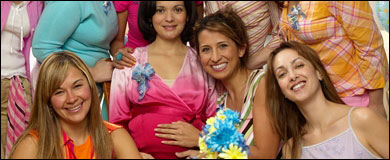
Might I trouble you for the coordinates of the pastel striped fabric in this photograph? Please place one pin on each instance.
(18, 112)
(260, 18)
(347, 40)
(246, 118)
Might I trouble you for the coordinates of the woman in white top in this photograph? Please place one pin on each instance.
(311, 118)
(18, 23)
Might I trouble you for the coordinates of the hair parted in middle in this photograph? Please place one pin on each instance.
(44, 119)
(146, 11)
(288, 119)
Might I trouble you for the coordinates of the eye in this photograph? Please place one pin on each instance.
(78, 86)
(223, 46)
(299, 65)
(281, 75)
(178, 10)
(205, 49)
(56, 93)
(159, 10)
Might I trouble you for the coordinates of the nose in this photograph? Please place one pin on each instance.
(215, 57)
(71, 97)
(169, 16)
(293, 76)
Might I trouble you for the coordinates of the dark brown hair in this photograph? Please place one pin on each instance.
(148, 8)
(288, 119)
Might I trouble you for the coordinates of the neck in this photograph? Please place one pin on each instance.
(235, 86)
(313, 110)
(17, 2)
(168, 47)
(77, 132)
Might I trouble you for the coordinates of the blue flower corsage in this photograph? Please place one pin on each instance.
(142, 74)
(293, 16)
(220, 137)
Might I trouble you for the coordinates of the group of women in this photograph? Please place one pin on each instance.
(323, 58)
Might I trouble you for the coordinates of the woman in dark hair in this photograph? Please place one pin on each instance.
(167, 84)
(311, 118)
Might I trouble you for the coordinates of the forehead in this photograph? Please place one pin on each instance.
(285, 57)
(169, 3)
(207, 36)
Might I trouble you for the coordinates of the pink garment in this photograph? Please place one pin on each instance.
(135, 38)
(358, 100)
(192, 98)
(34, 10)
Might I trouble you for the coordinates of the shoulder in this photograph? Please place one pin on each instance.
(26, 148)
(363, 118)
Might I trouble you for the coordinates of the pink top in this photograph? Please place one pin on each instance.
(135, 38)
(191, 98)
(34, 10)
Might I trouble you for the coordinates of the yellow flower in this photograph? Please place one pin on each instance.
(211, 121)
(234, 152)
(202, 145)
(210, 155)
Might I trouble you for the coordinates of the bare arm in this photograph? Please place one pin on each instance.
(376, 102)
(118, 44)
(372, 130)
(118, 41)
(266, 139)
(26, 149)
(124, 146)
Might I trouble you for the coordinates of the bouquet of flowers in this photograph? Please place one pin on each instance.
(220, 137)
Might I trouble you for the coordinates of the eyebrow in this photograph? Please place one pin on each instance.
(292, 62)
(173, 6)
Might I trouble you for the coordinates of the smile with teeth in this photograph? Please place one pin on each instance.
(74, 109)
(219, 66)
(298, 86)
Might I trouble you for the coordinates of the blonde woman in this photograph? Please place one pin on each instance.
(65, 119)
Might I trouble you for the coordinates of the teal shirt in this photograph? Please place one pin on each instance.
(81, 27)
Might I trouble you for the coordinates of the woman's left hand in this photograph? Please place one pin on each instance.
(123, 58)
(181, 133)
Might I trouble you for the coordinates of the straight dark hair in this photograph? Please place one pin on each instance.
(146, 11)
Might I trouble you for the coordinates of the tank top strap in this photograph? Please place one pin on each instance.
(349, 117)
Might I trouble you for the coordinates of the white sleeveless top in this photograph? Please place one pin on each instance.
(342, 146)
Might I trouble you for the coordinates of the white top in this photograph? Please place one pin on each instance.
(345, 145)
(169, 82)
(16, 27)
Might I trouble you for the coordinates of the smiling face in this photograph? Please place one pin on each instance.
(72, 100)
(169, 19)
(296, 76)
(219, 55)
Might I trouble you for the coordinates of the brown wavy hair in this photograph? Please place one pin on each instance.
(288, 119)
(227, 22)
(45, 121)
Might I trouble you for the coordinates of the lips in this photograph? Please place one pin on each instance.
(170, 27)
(74, 109)
(298, 86)
(219, 67)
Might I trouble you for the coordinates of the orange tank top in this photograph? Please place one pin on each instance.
(83, 151)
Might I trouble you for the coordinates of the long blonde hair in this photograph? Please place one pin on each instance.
(44, 120)
(285, 113)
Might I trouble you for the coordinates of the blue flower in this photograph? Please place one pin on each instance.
(142, 74)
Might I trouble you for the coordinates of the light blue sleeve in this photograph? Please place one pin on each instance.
(56, 24)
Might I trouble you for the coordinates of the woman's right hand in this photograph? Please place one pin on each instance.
(102, 71)
(126, 59)
(146, 156)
